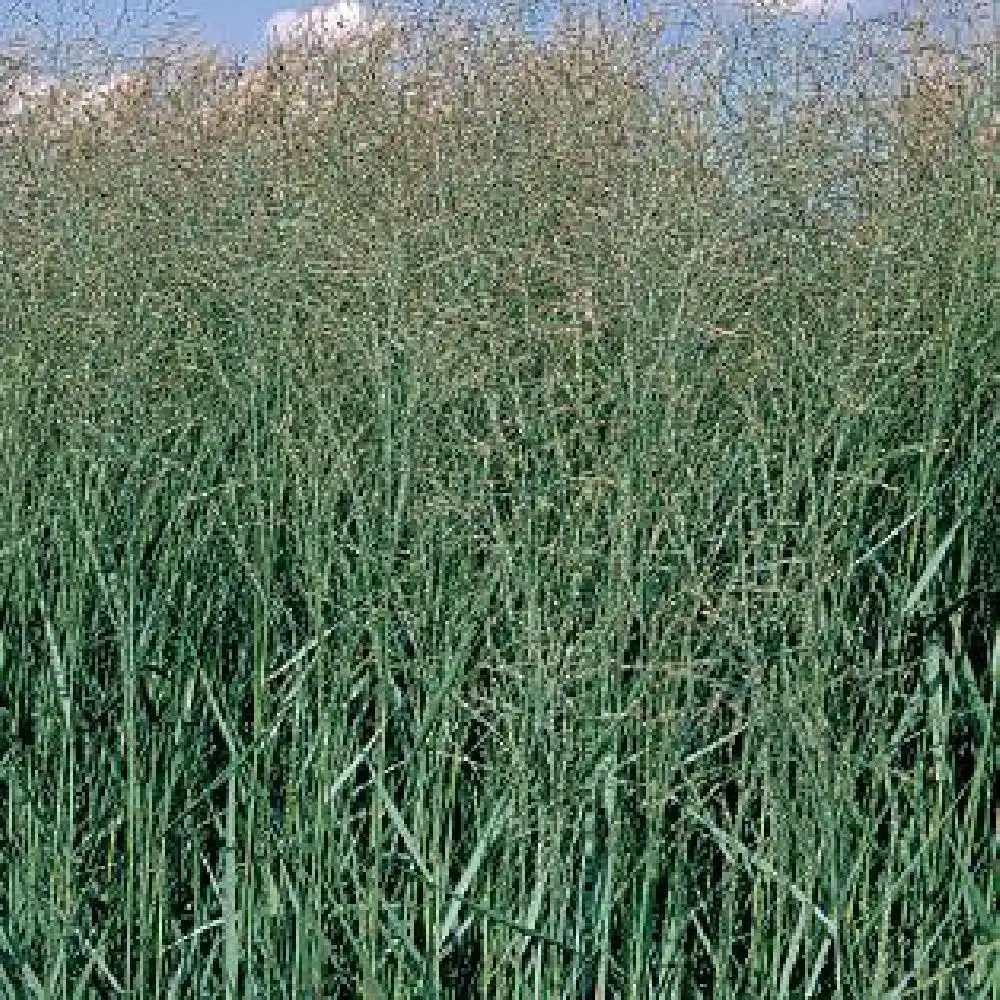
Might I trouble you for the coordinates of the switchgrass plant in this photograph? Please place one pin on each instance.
(465, 545)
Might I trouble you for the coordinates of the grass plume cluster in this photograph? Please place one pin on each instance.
(458, 542)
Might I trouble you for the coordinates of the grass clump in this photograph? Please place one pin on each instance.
(468, 540)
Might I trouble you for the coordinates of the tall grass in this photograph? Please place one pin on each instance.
(465, 545)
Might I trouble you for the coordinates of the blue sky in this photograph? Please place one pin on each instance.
(239, 24)
(238, 27)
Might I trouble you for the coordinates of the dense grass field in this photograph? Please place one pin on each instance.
(463, 545)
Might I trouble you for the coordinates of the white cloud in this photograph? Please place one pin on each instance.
(344, 25)
(320, 25)
(25, 93)
(71, 104)
(304, 92)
